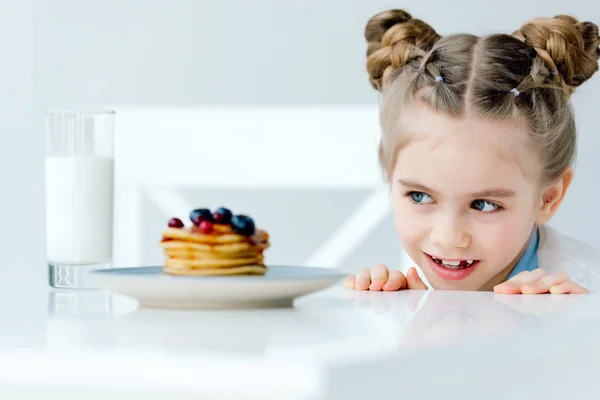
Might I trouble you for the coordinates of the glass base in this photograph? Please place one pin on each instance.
(80, 303)
(68, 276)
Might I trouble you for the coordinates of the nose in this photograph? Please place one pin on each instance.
(450, 232)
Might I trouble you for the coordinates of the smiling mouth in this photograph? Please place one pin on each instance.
(453, 263)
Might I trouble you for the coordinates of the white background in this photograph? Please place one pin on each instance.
(176, 53)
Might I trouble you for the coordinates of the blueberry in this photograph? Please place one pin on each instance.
(243, 225)
(201, 214)
(222, 216)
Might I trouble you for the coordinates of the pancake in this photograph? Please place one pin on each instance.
(245, 270)
(212, 249)
(199, 255)
(222, 235)
(227, 248)
(213, 263)
(191, 236)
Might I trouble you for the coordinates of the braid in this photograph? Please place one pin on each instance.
(395, 39)
(567, 48)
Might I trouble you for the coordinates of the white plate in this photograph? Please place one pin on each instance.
(277, 288)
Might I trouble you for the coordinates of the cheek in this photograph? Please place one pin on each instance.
(502, 236)
(406, 221)
(506, 237)
(499, 238)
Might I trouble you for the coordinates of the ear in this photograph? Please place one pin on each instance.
(552, 196)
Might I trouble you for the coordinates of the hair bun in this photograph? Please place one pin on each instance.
(395, 38)
(567, 46)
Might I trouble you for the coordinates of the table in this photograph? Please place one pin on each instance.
(332, 345)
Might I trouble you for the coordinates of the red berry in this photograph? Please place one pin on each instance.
(197, 220)
(220, 219)
(200, 214)
(175, 223)
(206, 227)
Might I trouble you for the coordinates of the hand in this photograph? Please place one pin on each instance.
(538, 282)
(381, 278)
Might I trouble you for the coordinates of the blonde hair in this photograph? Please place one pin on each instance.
(528, 75)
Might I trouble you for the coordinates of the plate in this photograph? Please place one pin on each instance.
(277, 288)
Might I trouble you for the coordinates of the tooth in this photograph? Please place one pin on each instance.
(452, 263)
(469, 262)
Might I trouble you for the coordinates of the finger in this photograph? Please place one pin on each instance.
(414, 281)
(396, 281)
(527, 277)
(543, 285)
(350, 282)
(568, 287)
(363, 279)
(507, 288)
(514, 284)
(379, 276)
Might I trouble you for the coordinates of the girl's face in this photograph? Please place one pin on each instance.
(464, 191)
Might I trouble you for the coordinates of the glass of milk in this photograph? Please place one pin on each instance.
(79, 194)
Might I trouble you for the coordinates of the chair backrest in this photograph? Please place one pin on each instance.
(162, 151)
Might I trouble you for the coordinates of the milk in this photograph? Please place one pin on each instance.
(79, 209)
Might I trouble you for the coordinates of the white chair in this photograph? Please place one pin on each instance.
(268, 147)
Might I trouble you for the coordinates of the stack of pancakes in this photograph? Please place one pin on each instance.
(222, 252)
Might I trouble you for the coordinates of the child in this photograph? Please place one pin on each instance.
(478, 141)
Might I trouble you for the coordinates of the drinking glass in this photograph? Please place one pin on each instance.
(79, 194)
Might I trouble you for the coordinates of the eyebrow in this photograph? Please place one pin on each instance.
(495, 192)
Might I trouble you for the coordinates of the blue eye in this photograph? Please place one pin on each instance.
(420, 197)
(484, 206)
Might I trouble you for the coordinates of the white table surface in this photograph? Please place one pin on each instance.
(337, 344)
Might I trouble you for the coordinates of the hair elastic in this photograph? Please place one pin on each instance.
(439, 78)
(515, 92)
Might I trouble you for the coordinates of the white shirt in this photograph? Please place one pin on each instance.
(560, 253)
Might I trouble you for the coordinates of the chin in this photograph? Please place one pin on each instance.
(445, 285)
